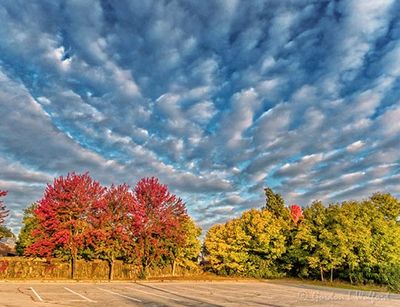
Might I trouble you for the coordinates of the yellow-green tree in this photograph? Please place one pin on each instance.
(250, 245)
(387, 204)
(358, 241)
(315, 241)
(266, 242)
(275, 204)
(30, 222)
(354, 223)
(227, 248)
(186, 255)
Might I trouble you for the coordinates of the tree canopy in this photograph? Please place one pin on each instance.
(358, 241)
(79, 218)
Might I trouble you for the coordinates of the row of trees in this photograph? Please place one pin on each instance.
(79, 218)
(358, 241)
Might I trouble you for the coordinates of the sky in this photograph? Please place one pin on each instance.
(218, 99)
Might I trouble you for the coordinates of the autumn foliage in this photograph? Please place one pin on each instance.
(148, 227)
(296, 213)
(357, 241)
(115, 222)
(161, 217)
(65, 216)
(79, 218)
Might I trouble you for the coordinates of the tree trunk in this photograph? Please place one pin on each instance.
(322, 273)
(331, 274)
(350, 273)
(111, 269)
(143, 273)
(144, 260)
(173, 267)
(73, 265)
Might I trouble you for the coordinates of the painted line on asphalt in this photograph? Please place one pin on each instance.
(121, 295)
(37, 294)
(80, 295)
(159, 295)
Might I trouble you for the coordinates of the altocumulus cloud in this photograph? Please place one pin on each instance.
(216, 98)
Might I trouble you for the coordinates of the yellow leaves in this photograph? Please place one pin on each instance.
(352, 239)
(256, 232)
(226, 246)
(186, 255)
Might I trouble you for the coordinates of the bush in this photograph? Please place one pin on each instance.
(390, 276)
(261, 268)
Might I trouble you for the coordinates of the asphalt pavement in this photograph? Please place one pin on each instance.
(184, 293)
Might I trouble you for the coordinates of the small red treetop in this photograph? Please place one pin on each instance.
(155, 199)
(296, 213)
(3, 210)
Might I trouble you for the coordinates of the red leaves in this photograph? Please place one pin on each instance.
(64, 213)
(162, 215)
(115, 222)
(76, 213)
(3, 210)
(296, 213)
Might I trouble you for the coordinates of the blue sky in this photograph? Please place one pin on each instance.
(216, 98)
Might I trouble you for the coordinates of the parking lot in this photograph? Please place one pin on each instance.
(184, 293)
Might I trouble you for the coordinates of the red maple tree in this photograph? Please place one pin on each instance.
(3, 210)
(296, 213)
(114, 221)
(161, 215)
(64, 215)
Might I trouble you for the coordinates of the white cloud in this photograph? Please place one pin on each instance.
(356, 146)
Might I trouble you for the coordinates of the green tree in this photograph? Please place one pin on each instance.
(266, 242)
(186, 254)
(384, 262)
(354, 221)
(30, 222)
(315, 240)
(275, 204)
(387, 204)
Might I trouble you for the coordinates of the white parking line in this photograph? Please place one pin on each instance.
(80, 295)
(159, 295)
(37, 295)
(121, 295)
